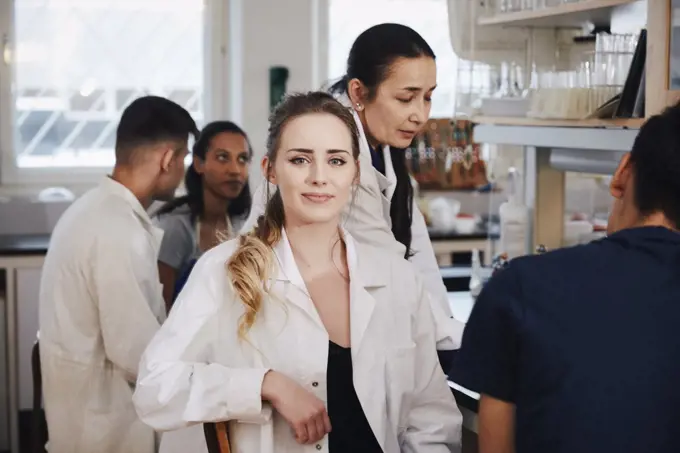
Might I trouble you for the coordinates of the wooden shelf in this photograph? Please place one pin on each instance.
(566, 15)
(630, 123)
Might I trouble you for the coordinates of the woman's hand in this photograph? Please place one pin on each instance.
(305, 413)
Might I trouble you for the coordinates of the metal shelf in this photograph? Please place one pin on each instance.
(590, 138)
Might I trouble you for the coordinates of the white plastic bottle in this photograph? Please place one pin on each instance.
(475, 275)
(514, 218)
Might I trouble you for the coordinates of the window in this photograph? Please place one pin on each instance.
(348, 18)
(74, 65)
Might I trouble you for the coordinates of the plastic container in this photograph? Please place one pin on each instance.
(514, 220)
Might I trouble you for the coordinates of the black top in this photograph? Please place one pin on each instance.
(596, 323)
(350, 431)
(377, 159)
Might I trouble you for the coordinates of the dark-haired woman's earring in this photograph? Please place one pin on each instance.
(359, 106)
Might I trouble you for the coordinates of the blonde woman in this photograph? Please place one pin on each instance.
(296, 334)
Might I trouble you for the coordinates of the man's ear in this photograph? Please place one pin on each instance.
(168, 155)
(621, 178)
(268, 170)
(357, 92)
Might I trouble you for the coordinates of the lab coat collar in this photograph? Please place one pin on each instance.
(390, 176)
(118, 189)
(387, 182)
(287, 268)
(115, 188)
(368, 272)
(364, 276)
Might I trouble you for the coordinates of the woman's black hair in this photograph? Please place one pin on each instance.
(369, 61)
(193, 182)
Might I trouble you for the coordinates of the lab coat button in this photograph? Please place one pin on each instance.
(315, 384)
(318, 446)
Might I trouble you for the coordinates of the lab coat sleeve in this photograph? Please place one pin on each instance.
(434, 421)
(179, 383)
(125, 294)
(449, 330)
(487, 360)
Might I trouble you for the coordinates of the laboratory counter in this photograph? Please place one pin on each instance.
(23, 244)
(452, 235)
(446, 243)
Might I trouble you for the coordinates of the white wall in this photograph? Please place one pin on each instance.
(291, 33)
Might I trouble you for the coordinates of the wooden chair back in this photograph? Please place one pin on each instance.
(216, 437)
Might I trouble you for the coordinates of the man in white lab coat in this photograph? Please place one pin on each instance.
(100, 297)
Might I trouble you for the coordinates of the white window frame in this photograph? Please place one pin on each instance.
(214, 97)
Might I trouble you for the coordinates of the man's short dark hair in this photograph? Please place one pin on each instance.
(149, 120)
(655, 158)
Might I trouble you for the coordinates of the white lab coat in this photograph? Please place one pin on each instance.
(197, 370)
(367, 218)
(100, 304)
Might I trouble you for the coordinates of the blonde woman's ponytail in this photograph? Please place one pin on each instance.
(249, 267)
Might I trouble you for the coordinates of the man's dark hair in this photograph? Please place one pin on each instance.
(149, 120)
(655, 160)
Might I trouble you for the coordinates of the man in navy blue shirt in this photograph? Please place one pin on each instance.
(578, 350)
